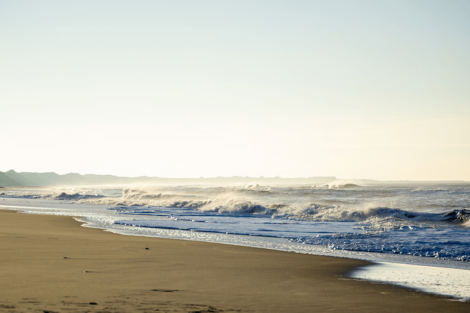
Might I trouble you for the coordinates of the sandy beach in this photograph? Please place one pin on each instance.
(52, 264)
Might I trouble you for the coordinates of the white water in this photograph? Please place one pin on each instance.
(441, 281)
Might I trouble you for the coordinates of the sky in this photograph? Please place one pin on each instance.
(352, 89)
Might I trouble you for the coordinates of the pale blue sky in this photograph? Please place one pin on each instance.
(356, 89)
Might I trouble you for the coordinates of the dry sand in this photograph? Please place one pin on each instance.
(177, 276)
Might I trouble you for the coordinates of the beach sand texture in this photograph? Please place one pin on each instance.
(51, 264)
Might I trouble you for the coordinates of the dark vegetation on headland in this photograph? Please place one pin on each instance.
(26, 179)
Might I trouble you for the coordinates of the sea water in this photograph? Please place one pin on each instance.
(424, 224)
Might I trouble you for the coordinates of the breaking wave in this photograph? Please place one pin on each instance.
(232, 203)
(270, 201)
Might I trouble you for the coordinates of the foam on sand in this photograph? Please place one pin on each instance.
(430, 279)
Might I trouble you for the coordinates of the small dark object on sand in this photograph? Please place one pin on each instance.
(93, 303)
(65, 257)
(164, 290)
(147, 249)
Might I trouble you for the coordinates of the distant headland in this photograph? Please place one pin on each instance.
(26, 179)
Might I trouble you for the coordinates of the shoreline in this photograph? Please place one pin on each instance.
(186, 276)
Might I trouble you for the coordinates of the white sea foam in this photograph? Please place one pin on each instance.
(438, 280)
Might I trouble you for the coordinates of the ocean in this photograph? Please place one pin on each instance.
(406, 228)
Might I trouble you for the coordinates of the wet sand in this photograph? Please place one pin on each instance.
(52, 264)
